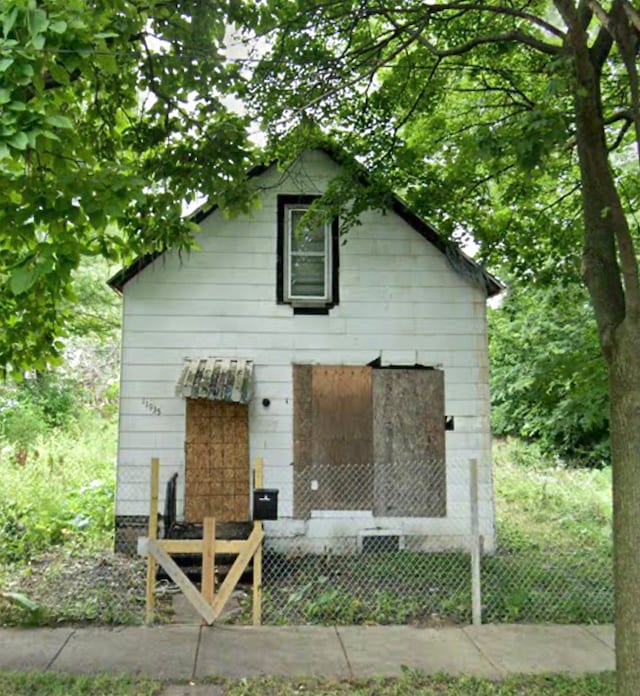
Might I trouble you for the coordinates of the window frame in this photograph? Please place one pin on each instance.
(305, 304)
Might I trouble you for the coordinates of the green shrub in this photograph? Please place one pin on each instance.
(21, 423)
(62, 495)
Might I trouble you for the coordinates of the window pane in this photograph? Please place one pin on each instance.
(305, 238)
(307, 276)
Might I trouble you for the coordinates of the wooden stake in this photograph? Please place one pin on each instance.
(238, 567)
(258, 482)
(208, 559)
(152, 535)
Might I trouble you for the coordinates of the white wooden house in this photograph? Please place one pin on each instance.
(275, 343)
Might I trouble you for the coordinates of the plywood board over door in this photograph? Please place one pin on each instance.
(217, 461)
(333, 457)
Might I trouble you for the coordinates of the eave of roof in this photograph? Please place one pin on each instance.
(450, 249)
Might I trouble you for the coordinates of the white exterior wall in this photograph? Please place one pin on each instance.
(399, 300)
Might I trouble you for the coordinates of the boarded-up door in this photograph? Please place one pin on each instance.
(216, 461)
(333, 457)
(409, 443)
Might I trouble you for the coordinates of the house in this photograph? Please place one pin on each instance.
(355, 365)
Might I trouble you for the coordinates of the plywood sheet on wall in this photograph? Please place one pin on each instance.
(333, 438)
(216, 461)
(409, 443)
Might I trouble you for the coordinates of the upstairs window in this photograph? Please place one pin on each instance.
(307, 273)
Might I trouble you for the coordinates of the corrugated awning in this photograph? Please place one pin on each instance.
(217, 379)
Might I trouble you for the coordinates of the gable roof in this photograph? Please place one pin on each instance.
(458, 260)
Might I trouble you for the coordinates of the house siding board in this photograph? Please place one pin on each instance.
(174, 310)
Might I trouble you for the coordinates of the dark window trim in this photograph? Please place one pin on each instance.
(304, 308)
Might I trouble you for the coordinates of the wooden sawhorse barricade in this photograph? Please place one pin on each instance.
(208, 603)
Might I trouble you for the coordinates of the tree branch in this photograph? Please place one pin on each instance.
(620, 136)
(510, 36)
(496, 9)
(632, 13)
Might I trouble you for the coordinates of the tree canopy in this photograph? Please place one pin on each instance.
(111, 119)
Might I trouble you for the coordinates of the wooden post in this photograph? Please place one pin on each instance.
(257, 559)
(476, 588)
(208, 559)
(153, 535)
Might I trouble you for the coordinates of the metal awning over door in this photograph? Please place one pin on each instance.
(216, 379)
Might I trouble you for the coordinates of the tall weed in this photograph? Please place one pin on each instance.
(542, 504)
(63, 493)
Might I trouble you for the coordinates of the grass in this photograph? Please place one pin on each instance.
(410, 683)
(542, 505)
(53, 684)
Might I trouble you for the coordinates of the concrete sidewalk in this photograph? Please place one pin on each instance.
(175, 653)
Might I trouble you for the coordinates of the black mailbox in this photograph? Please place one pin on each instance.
(265, 504)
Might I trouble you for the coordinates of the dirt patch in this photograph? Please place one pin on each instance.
(102, 588)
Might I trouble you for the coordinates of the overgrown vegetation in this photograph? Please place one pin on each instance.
(546, 506)
(59, 491)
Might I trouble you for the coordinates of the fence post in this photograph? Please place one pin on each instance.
(152, 535)
(476, 588)
(258, 482)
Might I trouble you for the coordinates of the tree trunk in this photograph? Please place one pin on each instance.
(624, 384)
(611, 275)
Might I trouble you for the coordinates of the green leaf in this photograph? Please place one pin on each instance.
(59, 121)
(20, 600)
(38, 41)
(107, 63)
(59, 74)
(4, 151)
(19, 141)
(9, 20)
(5, 95)
(22, 278)
(58, 27)
(37, 21)
(5, 63)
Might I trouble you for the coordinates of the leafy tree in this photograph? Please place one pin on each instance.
(548, 380)
(551, 113)
(111, 117)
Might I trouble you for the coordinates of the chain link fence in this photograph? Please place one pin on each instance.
(364, 544)
(371, 544)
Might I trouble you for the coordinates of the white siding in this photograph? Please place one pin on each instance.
(399, 301)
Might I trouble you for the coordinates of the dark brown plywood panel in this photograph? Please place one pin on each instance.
(216, 461)
(409, 443)
(333, 439)
(302, 436)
